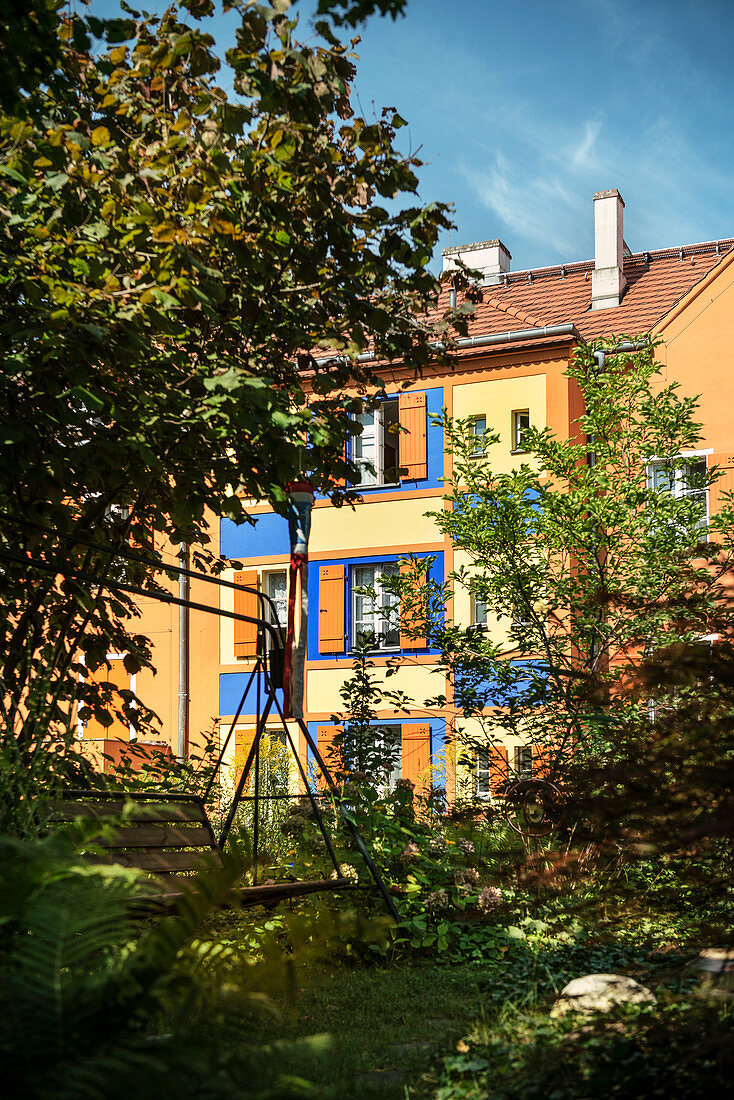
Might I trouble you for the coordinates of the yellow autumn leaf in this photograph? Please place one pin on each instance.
(117, 56)
(100, 135)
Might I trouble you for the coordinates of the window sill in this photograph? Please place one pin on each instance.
(520, 452)
(378, 650)
(376, 485)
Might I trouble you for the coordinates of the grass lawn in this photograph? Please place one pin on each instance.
(351, 1028)
(385, 1026)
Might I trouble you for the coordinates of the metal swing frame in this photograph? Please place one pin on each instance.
(266, 673)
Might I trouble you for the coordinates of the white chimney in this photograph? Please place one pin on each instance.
(607, 279)
(491, 258)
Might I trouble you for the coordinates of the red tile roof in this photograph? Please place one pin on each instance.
(656, 282)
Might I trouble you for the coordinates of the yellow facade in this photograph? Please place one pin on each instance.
(498, 399)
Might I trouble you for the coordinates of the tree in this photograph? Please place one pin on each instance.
(591, 557)
(171, 257)
(30, 48)
(362, 748)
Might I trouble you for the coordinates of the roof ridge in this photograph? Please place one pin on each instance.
(723, 244)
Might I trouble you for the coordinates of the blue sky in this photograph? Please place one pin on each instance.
(523, 109)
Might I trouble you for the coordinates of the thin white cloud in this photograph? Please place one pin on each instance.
(583, 155)
(537, 209)
(538, 186)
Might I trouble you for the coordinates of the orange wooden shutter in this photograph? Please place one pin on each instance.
(331, 608)
(406, 641)
(498, 769)
(245, 603)
(412, 438)
(417, 755)
(545, 761)
(329, 754)
(113, 672)
(243, 739)
(723, 484)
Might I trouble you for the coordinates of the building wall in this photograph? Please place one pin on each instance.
(391, 523)
(699, 353)
(159, 688)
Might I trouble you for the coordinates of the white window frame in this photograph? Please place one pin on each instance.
(117, 513)
(680, 490)
(384, 600)
(265, 576)
(377, 459)
(518, 447)
(482, 776)
(390, 779)
(477, 450)
(523, 761)
(479, 612)
(520, 627)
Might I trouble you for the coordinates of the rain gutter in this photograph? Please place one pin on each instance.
(489, 340)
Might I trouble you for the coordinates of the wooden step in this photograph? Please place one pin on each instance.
(160, 861)
(161, 809)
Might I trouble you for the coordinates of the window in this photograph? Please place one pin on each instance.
(521, 623)
(520, 424)
(115, 523)
(375, 451)
(116, 515)
(375, 613)
(684, 480)
(389, 749)
(478, 612)
(479, 430)
(111, 671)
(482, 774)
(274, 765)
(275, 585)
(695, 683)
(524, 762)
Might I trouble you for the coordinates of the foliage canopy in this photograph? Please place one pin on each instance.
(171, 255)
(604, 582)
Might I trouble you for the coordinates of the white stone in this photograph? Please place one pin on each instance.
(599, 993)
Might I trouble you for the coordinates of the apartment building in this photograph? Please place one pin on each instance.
(509, 373)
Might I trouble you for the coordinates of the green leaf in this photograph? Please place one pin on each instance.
(12, 174)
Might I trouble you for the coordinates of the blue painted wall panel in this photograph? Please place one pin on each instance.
(231, 686)
(521, 678)
(268, 537)
(434, 442)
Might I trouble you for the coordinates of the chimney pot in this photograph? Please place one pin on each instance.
(607, 280)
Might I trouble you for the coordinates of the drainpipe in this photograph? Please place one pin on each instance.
(600, 358)
(183, 654)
